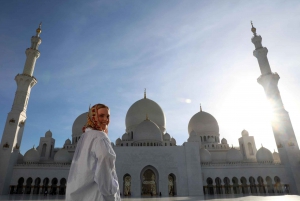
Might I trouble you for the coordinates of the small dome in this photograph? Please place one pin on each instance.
(137, 112)
(124, 136)
(224, 141)
(233, 155)
(20, 158)
(211, 140)
(31, 156)
(245, 133)
(78, 124)
(62, 156)
(166, 137)
(203, 123)
(118, 141)
(173, 141)
(205, 156)
(147, 130)
(68, 142)
(276, 157)
(48, 134)
(264, 155)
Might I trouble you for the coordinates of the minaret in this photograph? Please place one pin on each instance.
(16, 118)
(281, 124)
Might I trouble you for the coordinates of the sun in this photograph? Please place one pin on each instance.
(245, 107)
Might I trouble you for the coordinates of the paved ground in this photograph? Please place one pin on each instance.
(212, 198)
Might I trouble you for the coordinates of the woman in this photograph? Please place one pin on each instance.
(92, 174)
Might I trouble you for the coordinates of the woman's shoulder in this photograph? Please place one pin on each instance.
(96, 133)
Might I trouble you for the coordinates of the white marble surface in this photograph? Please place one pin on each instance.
(214, 198)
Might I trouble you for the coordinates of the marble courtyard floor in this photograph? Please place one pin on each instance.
(212, 198)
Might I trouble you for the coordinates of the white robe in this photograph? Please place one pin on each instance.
(93, 174)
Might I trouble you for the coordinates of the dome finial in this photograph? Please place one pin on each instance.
(200, 108)
(145, 93)
(147, 117)
(262, 145)
(253, 29)
(33, 146)
(39, 30)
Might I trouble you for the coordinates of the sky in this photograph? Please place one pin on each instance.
(183, 52)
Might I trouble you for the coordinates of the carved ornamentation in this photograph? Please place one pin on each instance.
(12, 121)
(17, 146)
(6, 145)
(22, 123)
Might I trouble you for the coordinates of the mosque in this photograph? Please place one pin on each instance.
(149, 161)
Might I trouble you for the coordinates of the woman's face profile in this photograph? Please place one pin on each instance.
(103, 118)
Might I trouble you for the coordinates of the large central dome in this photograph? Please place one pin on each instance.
(138, 111)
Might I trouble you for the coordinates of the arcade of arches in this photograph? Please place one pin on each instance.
(38, 186)
(244, 186)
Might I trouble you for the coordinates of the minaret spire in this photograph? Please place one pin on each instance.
(200, 108)
(145, 94)
(16, 118)
(281, 124)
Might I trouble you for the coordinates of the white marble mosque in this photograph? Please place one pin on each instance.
(149, 161)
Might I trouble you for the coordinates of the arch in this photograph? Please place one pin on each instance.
(53, 186)
(201, 138)
(127, 185)
(210, 187)
(45, 185)
(269, 185)
(250, 148)
(218, 186)
(20, 185)
(28, 186)
(43, 154)
(278, 186)
(172, 188)
(244, 185)
(62, 186)
(204, 138)
(227, 185)
(253, 188)
(36, 188)
(149, 178)
(235, 185)
(261, 185)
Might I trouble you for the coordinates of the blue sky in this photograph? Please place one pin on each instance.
(109, 51)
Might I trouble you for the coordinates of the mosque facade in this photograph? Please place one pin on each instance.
(149, 161)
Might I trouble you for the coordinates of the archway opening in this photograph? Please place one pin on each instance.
(53, 186)
(45, 185)
(127, 185)
(227, 185)
(36, 188)
(28, 185)
(210, 187)
(278, 186)
(20, 186)
(235, 185)
(172, 184)
(253, 188)
(62, 187)
(244, 185)
(218, 185)
(261, 185)
(149, 181)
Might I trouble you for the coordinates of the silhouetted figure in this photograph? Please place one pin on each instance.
(160, 194)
